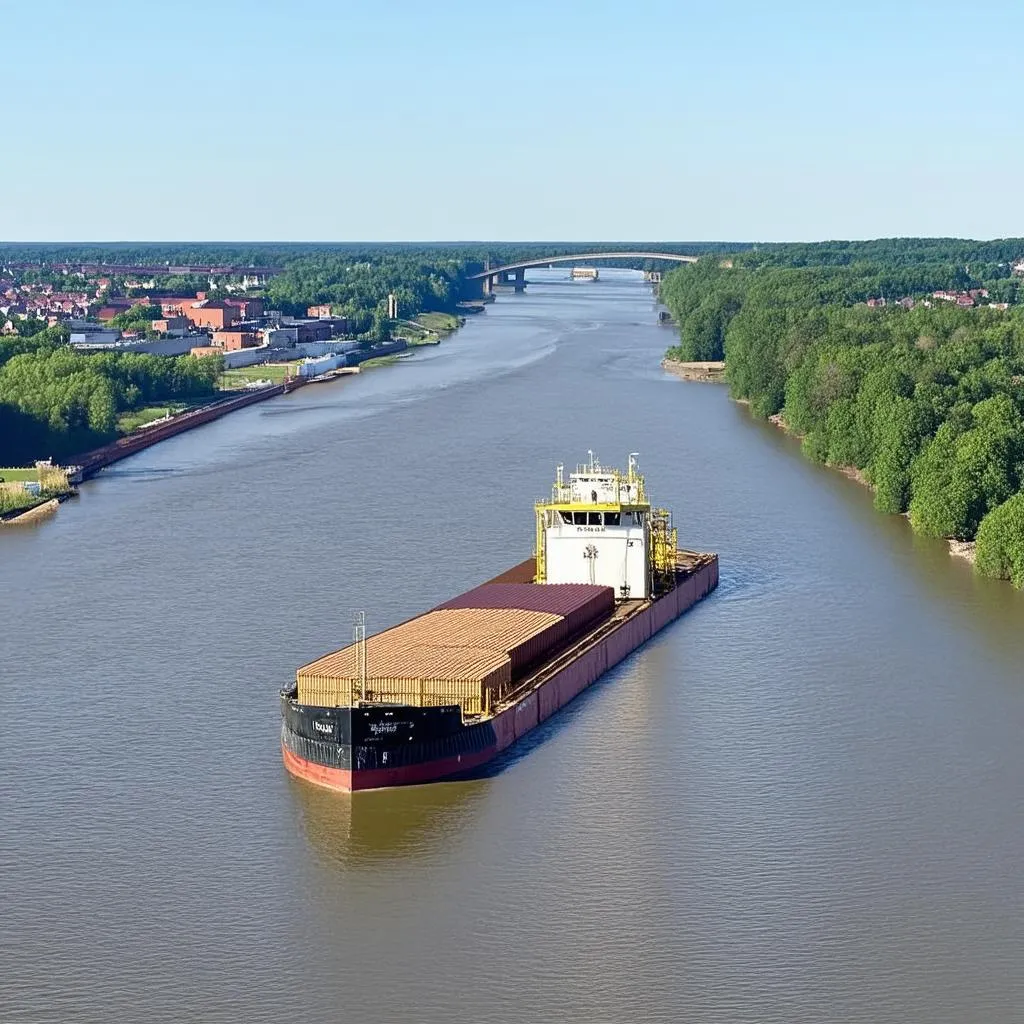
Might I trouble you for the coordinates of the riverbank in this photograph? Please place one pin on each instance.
(428, 328)
(711, 372)
(957, 548)
(28, 494)
(34, 514)
(91, 462)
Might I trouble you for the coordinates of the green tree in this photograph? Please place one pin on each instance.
(136, 318)
(1000, 550)
(380, 331)
(959, 477)
(897, 432)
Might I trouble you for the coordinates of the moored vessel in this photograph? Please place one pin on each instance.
(444, 693)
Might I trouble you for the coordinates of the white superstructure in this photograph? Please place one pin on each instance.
(600, 528)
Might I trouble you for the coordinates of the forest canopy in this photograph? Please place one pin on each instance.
(924, 398)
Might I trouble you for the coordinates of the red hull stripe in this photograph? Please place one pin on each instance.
(380, 778)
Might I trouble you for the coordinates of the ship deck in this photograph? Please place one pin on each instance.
(687, 563)
(347, 747)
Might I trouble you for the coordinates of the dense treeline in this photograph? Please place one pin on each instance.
(892, 252)
(927, 403)
(359, 288)
(282, 253)
(971, 263)
(55, 402)
(704, 297)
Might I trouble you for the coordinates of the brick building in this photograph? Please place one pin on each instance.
(215, 313)
(204, 312)
(176, 305)
(232, 341)
(248, 309)
(175, 326)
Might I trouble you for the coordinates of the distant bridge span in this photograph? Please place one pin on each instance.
(577, 257)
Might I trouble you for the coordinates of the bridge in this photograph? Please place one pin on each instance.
(490, 276)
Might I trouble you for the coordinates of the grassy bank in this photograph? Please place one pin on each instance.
(11, 507)
(427, 328)
(369, 364)
(276, 373)
(15, 499)
(439, 323)
(129, 421)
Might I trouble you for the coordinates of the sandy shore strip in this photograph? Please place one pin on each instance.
(963, 549)
(708, 372)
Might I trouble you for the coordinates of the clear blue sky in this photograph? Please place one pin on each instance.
(525, 119)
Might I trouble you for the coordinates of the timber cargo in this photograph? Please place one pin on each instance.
(579, 604)
(411, 674)
(442, 694)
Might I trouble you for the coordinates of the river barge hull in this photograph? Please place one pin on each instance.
(375, 747)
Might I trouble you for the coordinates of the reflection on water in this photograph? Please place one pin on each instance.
(369, 828)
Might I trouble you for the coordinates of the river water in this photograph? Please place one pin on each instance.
(802, 802)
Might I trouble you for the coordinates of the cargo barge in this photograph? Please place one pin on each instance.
(444, 693)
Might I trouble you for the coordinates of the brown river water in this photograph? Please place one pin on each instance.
(802, 802)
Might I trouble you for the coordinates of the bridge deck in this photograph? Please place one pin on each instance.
(545, 261)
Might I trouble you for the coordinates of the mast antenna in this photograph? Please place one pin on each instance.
(359, 639)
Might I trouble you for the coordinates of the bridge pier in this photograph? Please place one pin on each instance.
(521, 279)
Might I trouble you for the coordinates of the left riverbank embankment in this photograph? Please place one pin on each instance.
(35, 514)
(89, 463)
(30, 494)
(40, 503)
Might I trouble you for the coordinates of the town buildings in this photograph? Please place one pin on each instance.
(962, 298)
(231, 339)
